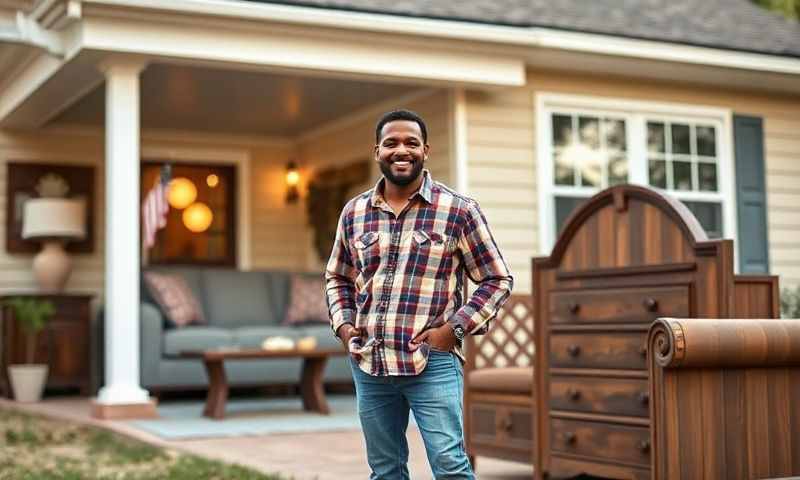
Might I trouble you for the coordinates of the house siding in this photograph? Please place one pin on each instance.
(502, 157)
(87, 274)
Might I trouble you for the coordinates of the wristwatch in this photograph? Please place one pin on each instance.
(458, 331)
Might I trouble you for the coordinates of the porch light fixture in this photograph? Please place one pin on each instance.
(182, 193)
(292, 179)
(197, 218)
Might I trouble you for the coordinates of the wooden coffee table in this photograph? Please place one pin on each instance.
(311, 386)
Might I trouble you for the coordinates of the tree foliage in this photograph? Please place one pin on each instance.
(788, 8)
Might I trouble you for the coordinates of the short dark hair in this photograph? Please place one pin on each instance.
(407, 115)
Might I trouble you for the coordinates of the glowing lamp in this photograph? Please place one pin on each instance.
(212, 180)
(197, 218)
(182, 193)
(292, 179)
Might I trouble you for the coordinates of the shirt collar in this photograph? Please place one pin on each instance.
(425, 190)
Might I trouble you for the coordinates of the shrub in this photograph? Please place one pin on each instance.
(790, 302)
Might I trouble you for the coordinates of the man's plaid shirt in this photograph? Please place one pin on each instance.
(396, 276)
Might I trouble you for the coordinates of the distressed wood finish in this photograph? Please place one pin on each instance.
(626, 257)
(725, 396)
(500, 424)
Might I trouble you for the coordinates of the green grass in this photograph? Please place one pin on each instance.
(39, 448)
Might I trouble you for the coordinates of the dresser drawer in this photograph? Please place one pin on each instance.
(619, 305)
(501, 426)
(613, 396)
(623, 350)
(606, 441)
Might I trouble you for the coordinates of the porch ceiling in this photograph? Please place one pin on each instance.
(178, 97)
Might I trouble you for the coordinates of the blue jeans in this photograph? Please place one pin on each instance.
(435, 398)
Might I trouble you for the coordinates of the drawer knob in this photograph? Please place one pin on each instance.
(573, 393)
(573, 350)
(574, 307)
(644, 398)
(643, 446)
(570, 438)
(643, 351)
(650, 304)
(504, 424)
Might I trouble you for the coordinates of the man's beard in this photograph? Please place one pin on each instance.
(402, 180)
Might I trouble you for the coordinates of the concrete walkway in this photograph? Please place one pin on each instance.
(305, 456)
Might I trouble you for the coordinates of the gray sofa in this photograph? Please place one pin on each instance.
(241, 309)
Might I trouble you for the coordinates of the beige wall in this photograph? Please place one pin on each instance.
(502, 157)
(274, 226)
(15, 269)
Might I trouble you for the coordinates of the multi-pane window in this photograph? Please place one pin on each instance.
(682, 156)
(591, 150)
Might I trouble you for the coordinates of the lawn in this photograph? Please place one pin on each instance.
(39, 448)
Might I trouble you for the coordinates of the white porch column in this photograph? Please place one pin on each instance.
(122, 265)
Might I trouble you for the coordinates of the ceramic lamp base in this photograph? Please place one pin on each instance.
(52, 266)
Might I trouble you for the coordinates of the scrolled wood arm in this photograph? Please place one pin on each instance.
(718, 343)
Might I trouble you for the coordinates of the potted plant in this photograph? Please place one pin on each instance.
(28, 379)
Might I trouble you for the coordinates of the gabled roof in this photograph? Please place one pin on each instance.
(727, 24)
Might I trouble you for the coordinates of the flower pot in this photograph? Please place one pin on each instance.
(27, 381)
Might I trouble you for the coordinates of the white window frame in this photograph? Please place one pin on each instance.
(636, 114)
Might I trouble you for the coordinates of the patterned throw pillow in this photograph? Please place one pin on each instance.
(306, 301)
(175, 298)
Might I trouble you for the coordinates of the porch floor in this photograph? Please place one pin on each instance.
(304, 456)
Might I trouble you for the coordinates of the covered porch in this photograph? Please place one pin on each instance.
(100, 85)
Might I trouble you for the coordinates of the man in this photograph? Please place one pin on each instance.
(395, 298)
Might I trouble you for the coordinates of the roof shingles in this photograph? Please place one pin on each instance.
(729, 24)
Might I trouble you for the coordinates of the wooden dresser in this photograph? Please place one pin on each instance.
(625, 258)
(64, 344)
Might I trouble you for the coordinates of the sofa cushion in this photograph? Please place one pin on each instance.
(502, 380)
(238, 299)
(252, 337)
(196, 338)
(176, 300)
(307, 302)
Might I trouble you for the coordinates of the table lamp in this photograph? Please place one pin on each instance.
(53, 221)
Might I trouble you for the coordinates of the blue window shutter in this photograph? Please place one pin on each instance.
(751, 194)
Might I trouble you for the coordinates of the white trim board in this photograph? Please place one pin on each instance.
(456, 30)
(237, 157)
(635, 112)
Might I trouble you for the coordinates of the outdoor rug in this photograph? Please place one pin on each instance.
(247, 416)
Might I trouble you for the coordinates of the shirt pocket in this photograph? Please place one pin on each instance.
(430, 247)
(368, 252)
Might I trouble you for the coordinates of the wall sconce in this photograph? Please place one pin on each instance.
(292, 179)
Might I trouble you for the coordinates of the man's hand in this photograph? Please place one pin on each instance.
(346, 332)
(440, 338)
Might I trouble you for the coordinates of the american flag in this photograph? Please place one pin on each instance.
(155, 207)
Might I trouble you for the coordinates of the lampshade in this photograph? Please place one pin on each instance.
(54, 217)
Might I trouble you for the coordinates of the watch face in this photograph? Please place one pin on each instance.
(459, 332)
